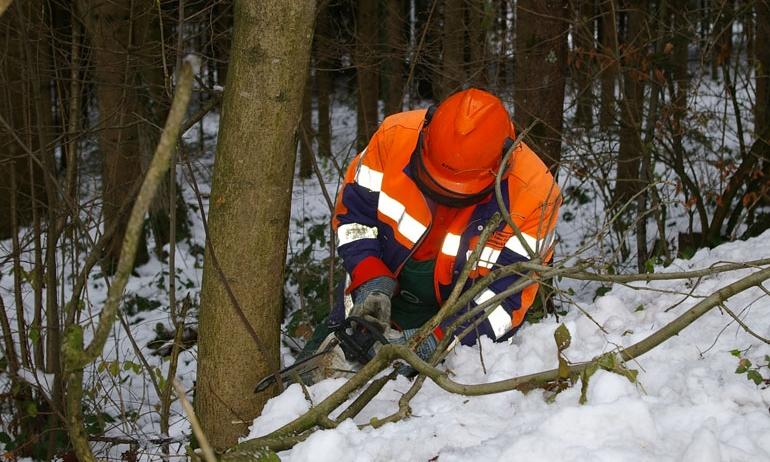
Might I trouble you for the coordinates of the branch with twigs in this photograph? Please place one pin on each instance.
(76, 355)
(318, 417)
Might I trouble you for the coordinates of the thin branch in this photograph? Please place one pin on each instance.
(208, 453)
(76, 357)
(389, 353)
(743, 324)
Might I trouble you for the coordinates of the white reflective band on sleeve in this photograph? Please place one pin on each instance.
(484, 296)
(369, 178)
(515, 245)
(350, 232)
(500, 321)
(411, 228)
(451, 245)
(488, 257)
(407, 225)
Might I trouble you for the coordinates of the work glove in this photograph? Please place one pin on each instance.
(371, 301)
(426, 348)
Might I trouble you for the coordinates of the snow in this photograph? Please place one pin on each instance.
(688, 403)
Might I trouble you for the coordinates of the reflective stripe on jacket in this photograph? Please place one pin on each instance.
(381, 213)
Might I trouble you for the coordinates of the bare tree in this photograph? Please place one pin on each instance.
(541, 63)
(452, 73)
(608, 61)
(395, 41)
(634, 64)
(112, 30)
(367, 73)
(762, 66)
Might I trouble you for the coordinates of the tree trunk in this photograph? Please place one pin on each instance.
(762, 66)
(630, 150)
(111, 26)
(500, 43)
(154, 103)
(608, 63)
(367, 77)
(305, 130)
(323, 44)
(724, 17)
(478, 27)
(395, 40)
(18, 109)
(221, 37)
(452, 47)
(249, 215)
(539, 79)
(582, 62)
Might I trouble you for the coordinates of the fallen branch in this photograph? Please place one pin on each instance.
(298, 430)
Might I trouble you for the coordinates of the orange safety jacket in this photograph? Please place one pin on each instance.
(381, 217)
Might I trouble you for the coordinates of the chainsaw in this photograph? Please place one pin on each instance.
(342, 353)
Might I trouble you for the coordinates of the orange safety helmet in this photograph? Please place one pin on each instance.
(463, 143)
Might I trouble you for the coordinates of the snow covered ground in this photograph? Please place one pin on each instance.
(689, 403)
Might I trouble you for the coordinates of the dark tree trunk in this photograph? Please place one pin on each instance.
(111, 30)
(367, 74)
(762, 66)
(305, 131)
(541, 64)
(323, 43)
(630, 151)
(154, 103)
(582, 62)
(477, 66)
(19, 111)
(724, 17)
(395, 41)
(221, 37)
(452, 46)
(608, 62)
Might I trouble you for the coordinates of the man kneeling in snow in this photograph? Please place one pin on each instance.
(411, 210)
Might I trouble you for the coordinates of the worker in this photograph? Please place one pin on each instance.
(413, 205)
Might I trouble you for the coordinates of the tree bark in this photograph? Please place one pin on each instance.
(249, 216)
(18, 110)
(367, 76)
(305, 131)
(111, 26)
(608, 63)
(723, 15)
(478, 27)
(154, 37)
(324, 53)
(582, 62)
(395, 40)
(221, 37)
(630, 150)
(539, 79)
(452, 48)
(762, 67)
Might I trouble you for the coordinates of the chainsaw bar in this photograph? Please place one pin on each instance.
(299, 369)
